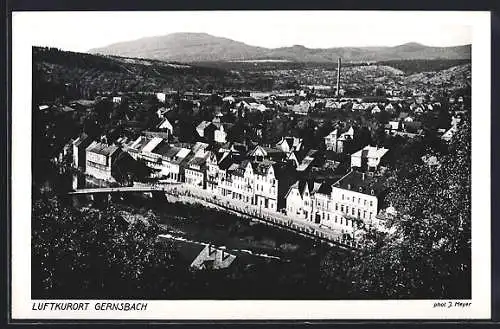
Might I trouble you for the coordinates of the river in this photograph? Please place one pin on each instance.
(192, 227)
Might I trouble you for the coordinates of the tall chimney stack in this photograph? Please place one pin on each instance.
(338, 77)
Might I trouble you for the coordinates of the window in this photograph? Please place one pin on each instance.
(342, 208)
(365, 202)
(352, 211)
(347, 209)
(342, 197)
(341, 221)
(328, 217)
(353, 199)
(336, 218)
(371, 203)
(336, 206)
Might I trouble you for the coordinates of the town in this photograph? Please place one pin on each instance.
(268, 174)
(333, 180)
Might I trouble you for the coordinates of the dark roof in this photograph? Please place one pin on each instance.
(413, 126)
(325, 188)
(101, 148)
(197, 161)
(83, 138)
(262, 166)
(162, 149)
(360, 182)
(226, 162)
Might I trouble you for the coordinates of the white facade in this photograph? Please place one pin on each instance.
(266, 189)
(343, 209)
(331, 141)
(99, 160)
(220, 135)
(167, 126)
(161, 97)
(369, 155)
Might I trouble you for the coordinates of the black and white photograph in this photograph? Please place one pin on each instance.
(251, 165)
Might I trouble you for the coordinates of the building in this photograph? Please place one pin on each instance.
(172, 160)
(260, 153)
(331, 141)
(162, 112)
(368, 158)
(448, 135)
(290, 144)
(161, 97)
(206, 130)
(357, 196)
(308, 161)
(195, 166)
(302, 108)
(221, 130)
(299, 199)
(211, 258)
(376, 109)
(80, 145)
(345, 205)
(336, 143)
(99, 160)
(195, 172)
(166, 126)
(213, 170)
(391, 127)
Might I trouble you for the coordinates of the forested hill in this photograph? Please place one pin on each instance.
(90, 73)
(195, 47)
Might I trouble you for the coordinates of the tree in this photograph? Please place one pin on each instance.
(95, 253)
(426, 252)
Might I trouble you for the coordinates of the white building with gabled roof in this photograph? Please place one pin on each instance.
(368, 157)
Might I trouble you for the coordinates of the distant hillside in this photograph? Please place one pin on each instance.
(456, 77)
(202, 47)
(55, 70)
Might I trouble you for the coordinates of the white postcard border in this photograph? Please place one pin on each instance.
(254, 310)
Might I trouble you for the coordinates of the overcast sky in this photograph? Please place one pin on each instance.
(81, 31)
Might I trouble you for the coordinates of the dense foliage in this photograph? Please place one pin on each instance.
(94, 253)
(426, 251)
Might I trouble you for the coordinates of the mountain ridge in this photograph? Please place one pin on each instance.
(200, 47)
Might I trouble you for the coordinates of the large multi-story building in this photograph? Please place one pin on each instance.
(346, 204)
(99, 160)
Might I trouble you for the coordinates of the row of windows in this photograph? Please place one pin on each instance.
(97, 165)
(358, 200)
(194, 173)
(326, 205)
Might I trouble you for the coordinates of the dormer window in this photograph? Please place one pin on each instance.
(348, 186)
(360, 189)
(372, 192)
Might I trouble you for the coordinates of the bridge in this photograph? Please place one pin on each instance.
(121, 189)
